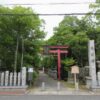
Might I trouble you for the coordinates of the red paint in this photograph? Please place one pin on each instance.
(59, 64)
(58, 51)
(59, 47)
(55, 51)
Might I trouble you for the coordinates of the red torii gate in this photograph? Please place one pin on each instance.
(58, 50)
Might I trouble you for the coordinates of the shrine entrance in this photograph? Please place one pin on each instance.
(58, 50)
(45, 82)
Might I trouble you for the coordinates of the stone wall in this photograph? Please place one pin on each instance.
(83, 73)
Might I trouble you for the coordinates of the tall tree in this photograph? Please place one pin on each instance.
(72, 32)
(20, 37)
(94, 21)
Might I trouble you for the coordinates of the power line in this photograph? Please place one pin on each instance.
(59, 14)
(60, 3)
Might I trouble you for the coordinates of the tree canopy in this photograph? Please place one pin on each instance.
(75, 33)
(20, 37)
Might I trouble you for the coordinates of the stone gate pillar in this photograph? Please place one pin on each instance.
(23, 75)
(92, 65)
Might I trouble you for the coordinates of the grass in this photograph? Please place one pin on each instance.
(72, 85)
(68, 85)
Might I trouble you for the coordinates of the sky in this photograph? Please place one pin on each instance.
(53, 21)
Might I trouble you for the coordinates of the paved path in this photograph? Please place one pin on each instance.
(50, 83)
(51, 87)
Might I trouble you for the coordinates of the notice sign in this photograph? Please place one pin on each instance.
(75, 70)
(30, 70)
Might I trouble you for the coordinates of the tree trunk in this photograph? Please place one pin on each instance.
(22, 52)
(16, 54)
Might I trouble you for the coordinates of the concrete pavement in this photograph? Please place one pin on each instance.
(51, 88)
(50, 83)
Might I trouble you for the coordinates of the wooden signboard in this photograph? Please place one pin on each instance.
(75, 70)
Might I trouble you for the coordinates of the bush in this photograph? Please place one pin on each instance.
(35, 75)
(68, 63)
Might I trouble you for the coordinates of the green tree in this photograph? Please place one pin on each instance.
(72, 32)
(20, 37)
(94, 22)
(68, 62)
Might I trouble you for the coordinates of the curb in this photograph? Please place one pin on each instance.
(12, 93)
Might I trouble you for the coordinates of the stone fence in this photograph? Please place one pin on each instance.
(13, 79)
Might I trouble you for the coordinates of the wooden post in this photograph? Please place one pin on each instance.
(75, 71)
(75, 79)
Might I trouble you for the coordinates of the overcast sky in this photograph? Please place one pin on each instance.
(52, 21)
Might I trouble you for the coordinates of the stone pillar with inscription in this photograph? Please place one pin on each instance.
(6, 77)
(23, 75)
(92, 65)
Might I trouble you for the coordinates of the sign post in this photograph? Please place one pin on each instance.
(75, 71)
(30, 75)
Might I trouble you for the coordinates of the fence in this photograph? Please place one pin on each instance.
(13, 79)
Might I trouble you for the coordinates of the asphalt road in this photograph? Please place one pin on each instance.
(49, 97)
